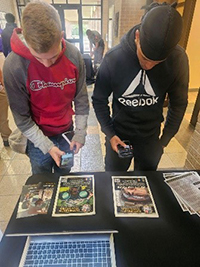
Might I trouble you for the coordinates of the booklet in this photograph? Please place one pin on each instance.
(35, 199)
(132, 197)
(75, 196)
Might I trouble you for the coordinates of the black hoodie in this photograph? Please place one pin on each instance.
(138, 95)
(6, 35)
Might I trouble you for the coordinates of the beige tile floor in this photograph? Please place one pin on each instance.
(15, 168)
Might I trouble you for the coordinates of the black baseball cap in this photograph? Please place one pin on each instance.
(160, 32)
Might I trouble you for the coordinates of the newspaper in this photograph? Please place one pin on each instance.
(75, 196)
(181, 202)
(132, 197)
(186, 187)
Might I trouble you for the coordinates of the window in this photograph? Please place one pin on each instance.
(91, 13)
(89, 17)
(91, 2)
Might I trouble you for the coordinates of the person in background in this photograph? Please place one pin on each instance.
(5, 131)
(7, 33)
(96, 47)
(139, 72)
(47, 83)
(1, 45)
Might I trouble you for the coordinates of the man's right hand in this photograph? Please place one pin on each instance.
(56, 154)
(115, 141)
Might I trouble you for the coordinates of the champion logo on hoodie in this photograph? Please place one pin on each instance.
(139, 92)
(37, 85)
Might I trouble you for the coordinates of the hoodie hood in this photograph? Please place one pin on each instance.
(128, 41)
(19, 46)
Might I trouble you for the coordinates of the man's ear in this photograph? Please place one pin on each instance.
(137, 35)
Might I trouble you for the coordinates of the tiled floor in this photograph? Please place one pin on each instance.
(15, 168)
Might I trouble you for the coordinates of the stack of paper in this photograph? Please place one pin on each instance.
(186, 188)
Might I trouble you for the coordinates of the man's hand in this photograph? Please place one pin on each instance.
(56, 154)
(2, 87)
(75, 146)
(115, 141)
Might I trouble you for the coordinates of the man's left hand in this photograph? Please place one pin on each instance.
(76, 146)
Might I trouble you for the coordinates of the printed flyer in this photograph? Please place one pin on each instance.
(75, 196)
(132, 197)
(35, 199)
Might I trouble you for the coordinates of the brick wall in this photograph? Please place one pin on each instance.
(105, 17)
(193, 154)
(131, 14)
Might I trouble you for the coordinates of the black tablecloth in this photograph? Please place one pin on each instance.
(170, 240)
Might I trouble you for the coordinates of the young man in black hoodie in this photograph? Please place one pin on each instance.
(139, 72)
(7, 33)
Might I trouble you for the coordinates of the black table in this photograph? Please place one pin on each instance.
(173, 239)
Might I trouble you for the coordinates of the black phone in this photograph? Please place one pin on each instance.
(67, 160)
(125, 152)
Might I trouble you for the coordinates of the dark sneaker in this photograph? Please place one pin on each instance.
(5, 143)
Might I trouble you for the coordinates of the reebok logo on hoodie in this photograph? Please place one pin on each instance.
(139, 92)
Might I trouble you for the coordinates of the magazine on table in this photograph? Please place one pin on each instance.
(186, 187)
(35, 199)
(75, 196)
(132, 197)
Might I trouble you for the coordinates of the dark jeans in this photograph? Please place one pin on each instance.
(41, 163)
(147, 155)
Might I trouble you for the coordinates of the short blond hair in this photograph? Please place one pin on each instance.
(41, 26)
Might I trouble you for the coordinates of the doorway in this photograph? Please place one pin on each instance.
(70, 16)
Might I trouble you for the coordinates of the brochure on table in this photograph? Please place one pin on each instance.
(75, 196)
(35, 199)
(132, 197)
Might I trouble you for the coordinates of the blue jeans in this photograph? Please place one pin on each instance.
(41, 163)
